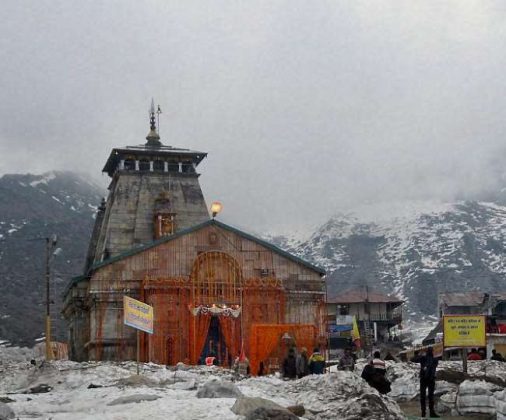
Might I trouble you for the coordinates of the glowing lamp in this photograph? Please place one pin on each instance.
(216, 207)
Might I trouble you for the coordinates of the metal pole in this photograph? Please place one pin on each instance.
(49, 351)
(368, 320)
(138, 349)
(326, 320)
(464, 360)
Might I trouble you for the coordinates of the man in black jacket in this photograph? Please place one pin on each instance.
(289, 367)
(428, 365)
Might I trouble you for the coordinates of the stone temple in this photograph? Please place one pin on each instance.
(215, 289)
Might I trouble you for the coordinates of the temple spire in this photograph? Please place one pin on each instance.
(153, 138)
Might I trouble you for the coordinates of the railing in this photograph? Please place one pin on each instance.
(386, 316)
(395, 315)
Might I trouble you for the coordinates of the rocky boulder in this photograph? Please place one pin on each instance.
(263, 413)
(260, 408)
(217, 388)
(244, 405)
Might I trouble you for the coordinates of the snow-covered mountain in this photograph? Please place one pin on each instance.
(33, 207)
(415, 250)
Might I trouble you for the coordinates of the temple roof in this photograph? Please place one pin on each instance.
(183, 232)
(462, 298)
(150, 151)
(211, 222)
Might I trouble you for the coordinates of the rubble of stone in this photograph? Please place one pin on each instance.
(161, 393)
(111, 390)
(342, 395)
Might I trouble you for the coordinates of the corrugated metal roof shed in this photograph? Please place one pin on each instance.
(462, 298)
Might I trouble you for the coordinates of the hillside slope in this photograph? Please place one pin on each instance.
(31, 208)
(416, 255)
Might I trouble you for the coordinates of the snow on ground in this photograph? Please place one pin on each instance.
(415, 331)
(14, 354)
(172, 393)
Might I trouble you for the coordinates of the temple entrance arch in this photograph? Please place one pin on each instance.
(216, 287)
(216, 279)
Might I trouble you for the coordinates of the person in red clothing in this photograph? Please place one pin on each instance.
(474, 355)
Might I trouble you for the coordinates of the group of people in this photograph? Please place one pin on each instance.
(480, 354)
(297, 365)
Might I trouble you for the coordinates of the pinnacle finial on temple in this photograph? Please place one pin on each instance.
(153, 138)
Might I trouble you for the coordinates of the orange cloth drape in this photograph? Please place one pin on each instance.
(230, 328)
(200, 327)
(261, 346)
(305, 336)
(265, 338)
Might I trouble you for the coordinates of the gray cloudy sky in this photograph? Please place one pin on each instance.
(305, 107)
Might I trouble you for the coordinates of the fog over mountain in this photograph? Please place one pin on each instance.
(305, 108)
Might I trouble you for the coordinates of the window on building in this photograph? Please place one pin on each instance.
(144, 165)
(129, 164)
(173, 167)
(158, 165)
(188, 168)
(343, 309)
(165, 224)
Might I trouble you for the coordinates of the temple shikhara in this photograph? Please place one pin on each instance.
(215, 290)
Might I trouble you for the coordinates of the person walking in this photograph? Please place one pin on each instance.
(316, 362)
(428, 365)
(302, 363)
(347, 362)
(289, 367)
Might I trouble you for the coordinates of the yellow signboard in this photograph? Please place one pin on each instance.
(137, 314)
(464, 331)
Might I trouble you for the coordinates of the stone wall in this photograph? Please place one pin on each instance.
(128, 219)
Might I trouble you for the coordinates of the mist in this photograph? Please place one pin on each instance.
(305, 108)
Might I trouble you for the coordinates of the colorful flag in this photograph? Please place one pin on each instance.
(355, 333)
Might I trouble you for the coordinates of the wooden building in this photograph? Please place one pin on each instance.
(214, 289)
(376, 313)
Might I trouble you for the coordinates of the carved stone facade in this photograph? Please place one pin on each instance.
(133, 206)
